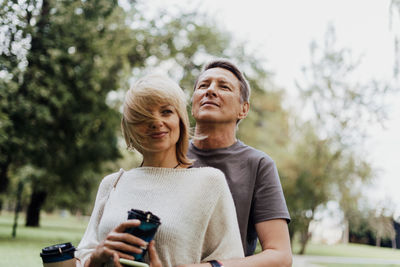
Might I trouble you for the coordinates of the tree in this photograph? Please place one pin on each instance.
(383, 227)
(339, 110)
(308, 173)
(57, 110)
(374, 226)
(394, 14)
(12, 63)
(65, 99)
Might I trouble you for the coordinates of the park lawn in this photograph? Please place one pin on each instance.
(352, 265)
(351, 250)
(24, 250)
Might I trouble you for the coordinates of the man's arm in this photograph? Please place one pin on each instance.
(275, 243)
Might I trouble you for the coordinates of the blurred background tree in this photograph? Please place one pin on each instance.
(59, 119)
(333, 165)
(65, 66)
(61, 89)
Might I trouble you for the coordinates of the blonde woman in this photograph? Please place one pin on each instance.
(198, 219)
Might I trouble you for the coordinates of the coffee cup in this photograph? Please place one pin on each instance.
(60, 255)
(149, 224)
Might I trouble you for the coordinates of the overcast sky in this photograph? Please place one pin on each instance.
(281, 32)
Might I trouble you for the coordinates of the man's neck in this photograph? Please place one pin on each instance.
(214, 135)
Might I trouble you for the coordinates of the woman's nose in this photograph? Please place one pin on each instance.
(157, 123)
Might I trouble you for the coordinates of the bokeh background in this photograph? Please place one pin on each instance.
(325, 105)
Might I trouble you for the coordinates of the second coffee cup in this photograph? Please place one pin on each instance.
(60, 255)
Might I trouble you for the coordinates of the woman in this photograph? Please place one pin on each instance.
(198, 219)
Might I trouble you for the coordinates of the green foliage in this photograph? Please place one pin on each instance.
(56, 109)
(64, 88)
(323, 161)
(331, 91)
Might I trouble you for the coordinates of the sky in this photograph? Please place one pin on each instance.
(281, 32)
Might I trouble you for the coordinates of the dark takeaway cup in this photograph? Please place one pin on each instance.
(146, 230)
(60, 255)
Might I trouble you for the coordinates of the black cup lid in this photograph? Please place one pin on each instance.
(58, 249)
(143, 216)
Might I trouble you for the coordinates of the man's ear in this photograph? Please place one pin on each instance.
(245, 106)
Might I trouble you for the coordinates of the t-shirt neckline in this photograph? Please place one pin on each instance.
(237, 143)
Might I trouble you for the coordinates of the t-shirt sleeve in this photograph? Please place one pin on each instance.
(90, 239)
(268, 200)
(222, 239)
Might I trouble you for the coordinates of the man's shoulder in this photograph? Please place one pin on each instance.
(253, 153)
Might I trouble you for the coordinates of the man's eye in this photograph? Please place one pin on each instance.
(226, 87)
(202, 85)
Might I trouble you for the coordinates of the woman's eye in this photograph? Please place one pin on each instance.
(167, 111)
(203, 85)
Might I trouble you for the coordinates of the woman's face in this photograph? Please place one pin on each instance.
(162, 134)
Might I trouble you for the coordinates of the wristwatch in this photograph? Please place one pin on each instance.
(215, 263)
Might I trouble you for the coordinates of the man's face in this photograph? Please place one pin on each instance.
(216, 98)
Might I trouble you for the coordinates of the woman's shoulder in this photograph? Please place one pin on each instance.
(210, 175)
(209, 172)
(110, 179)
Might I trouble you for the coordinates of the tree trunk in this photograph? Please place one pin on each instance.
(304, 237)
(378, 240)
(346, 232)
(291, 233)
(33, 211)
(4, 181)
(394, 245)
(17, 208)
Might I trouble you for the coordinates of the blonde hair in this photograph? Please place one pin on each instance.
(154, 89)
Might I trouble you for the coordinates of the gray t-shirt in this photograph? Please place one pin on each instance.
(254, 183)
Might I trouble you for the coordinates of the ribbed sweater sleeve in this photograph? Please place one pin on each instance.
(222, 231)
(90, 239)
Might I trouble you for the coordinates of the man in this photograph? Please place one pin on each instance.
(220, 100)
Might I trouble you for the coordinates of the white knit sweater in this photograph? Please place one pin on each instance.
(198, 219)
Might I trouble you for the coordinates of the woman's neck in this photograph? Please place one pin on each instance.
(162, 160)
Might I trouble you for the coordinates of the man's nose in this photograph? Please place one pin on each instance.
(211, 90)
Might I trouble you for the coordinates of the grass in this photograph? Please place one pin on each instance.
(351, 250)
(24, 250)
(353, 265)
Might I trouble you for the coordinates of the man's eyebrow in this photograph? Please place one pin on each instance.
(207, 79)
(222, 80)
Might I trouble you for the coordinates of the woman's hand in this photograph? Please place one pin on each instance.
(116, 244)
(154, 259)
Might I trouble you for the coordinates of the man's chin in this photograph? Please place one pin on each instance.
(206, 119)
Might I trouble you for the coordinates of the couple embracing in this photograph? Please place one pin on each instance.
(214, 194)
